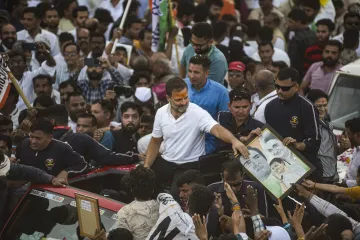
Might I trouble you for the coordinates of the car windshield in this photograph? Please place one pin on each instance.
(344, 101)
(47, 215)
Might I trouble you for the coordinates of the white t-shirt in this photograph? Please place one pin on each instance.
(279, 55)
(260, 111)
(173, 223)
(184, 138)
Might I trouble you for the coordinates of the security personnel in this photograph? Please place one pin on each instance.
(54, 157)
(83, 144)
(295, 118)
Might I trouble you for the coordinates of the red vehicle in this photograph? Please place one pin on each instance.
(46, 212)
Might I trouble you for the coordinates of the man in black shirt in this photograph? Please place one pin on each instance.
(126, 138)
(238, 120)
(54, 157)
(294, 117)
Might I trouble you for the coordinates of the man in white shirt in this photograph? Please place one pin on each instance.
(278, 54)
(115, 7)
(31, 21)
(80, 15)
(264, 84)
(182, 127)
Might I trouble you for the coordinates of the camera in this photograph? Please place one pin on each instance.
(91, 62)
(122, 90)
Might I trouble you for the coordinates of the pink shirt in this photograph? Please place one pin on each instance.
(318, 79)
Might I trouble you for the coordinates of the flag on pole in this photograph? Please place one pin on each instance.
(4, 81)
(160, 24)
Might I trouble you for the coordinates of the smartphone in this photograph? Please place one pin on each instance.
(121, 90)
(91, 62)
(29, 46)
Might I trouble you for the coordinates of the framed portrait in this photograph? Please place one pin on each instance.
(275, 165)
(88, 215)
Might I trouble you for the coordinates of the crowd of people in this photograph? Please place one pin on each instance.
(93, 94)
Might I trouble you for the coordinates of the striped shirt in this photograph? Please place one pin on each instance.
(313, 54)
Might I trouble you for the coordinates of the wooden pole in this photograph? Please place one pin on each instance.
(176, 42)
(18, 89)
(122, 23)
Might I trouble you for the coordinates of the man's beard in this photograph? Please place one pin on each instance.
(180, 109)
(330, 62)
(130, 127)
(9, 42)
(202, 51)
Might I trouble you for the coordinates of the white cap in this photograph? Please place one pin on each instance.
(278, 233)
(42, 38)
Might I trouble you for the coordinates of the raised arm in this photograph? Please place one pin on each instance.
(324, 187)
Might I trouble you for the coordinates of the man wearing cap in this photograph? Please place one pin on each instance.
(31, 20)
(235, 75)
(206, 93)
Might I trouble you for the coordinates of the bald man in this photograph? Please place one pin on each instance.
(264, 84)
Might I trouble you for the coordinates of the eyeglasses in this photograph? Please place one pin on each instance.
(284, 88)
(234, 74)
(72, 54)
(235, 184)
(198, 45)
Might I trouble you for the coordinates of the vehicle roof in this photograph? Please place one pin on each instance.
(352, 68)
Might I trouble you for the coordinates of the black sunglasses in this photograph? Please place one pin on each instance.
(284, 88)
(198, 45)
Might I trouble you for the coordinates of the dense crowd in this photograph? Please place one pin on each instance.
(93, 92)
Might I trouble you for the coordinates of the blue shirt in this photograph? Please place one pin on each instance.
(214, 98)
(107, 140)
(218, 67)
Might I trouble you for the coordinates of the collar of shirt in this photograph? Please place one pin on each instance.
(28, 37)
(266, 97)
(206, 86)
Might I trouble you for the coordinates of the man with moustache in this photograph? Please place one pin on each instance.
(182, 127)
(75, 104)
(83, 40)
(95, 87)
(202, 43)
(320, 74)
(126, 138)
(8, 37)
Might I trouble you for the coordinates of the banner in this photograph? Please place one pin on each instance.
(160, 24)
(4, 81)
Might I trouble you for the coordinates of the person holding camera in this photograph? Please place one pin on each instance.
(95, 88)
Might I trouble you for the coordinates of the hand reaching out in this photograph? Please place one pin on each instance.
(308, 183)
(200, 227)
(251, 200)
(230, 194)
(238, 222)
(262, 235)
(296, 219)
(279, 208)
(218, 204)
(314, 232)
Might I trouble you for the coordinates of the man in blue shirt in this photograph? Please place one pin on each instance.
(202, 43)
(206, 93)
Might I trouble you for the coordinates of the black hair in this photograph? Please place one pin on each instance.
(289, 73)
(42, 125)
(41, 76)
(311, 4)
(204, 61)
(338, 3)
(120, 233)
(253, 27)
(66, 83)
(95, 34)
(58, 113)
(224, 50)
(315, 94)
(12, 54)
(337, 223)
(142, 183)
(44, 101)
(45, 7)
(73, 94)
(121, 48)
(201, 13)
(106, 105)
(236, 51)
(88, 115)
(63, 5)
(134, 5)
(185, 8)
(33, 10)
(130, 20)
(353, 125)
(351, 38)
(351, 15)
(5, 120)
(147, 119)
(134, 79)
(279, 64)
(131, 105)
(65, 37)
(72, 44)
(298, 14)
(239, 93)
(189, 177)
(200, 200)
(79, 9)
(233, 168)
(150, 106)
(6, 139)
(219, 29)
(142, 33)
(175, 84)
(265, 43)
(202, 30)
(335, 43)
(229, 18)
(266, 34)
(103, 15)
(277, 160)
(218, 3)
(326, 22)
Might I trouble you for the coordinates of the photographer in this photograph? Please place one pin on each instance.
(94, 88)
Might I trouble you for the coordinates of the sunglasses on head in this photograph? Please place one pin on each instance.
(284, 88)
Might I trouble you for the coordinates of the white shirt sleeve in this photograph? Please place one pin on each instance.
(206, 122)
(280, 43)
(157, 130)
(260, 113)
